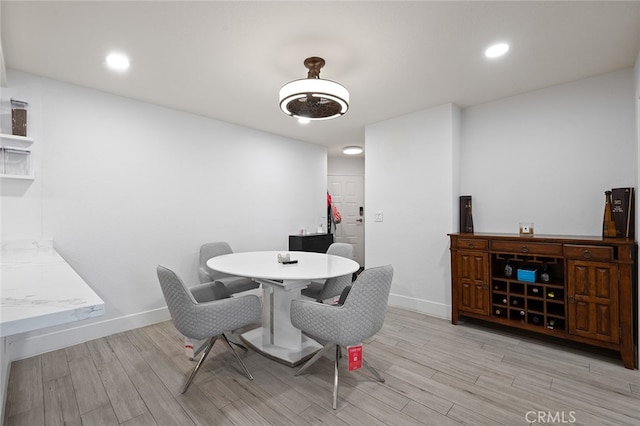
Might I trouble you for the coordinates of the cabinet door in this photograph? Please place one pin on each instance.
(473, 276)
(592, 296)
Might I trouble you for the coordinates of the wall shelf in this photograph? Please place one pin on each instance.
(16, 144)
(17, 177)
(13, 138)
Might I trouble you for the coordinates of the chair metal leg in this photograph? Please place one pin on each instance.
(234, 341)
(316, 357)
(244, 367)
(373, 370)
(200, 361)
(239, 345)
(335, 378)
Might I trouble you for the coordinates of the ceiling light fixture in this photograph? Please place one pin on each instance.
(352, 150)
(117, 61)
(313, 98)
(496, 50)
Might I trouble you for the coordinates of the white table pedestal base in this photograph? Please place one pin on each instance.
(289, 357)
(278, 338)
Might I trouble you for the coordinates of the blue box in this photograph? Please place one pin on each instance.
(528, 274)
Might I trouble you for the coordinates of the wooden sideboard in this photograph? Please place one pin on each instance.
(582, 289)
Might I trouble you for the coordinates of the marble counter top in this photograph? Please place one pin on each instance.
(39, 289)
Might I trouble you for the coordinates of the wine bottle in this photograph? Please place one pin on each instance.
(551, 324)
(522, 313)
(544, 276)
(535, 319)
(498, 312)
(535, 290)
(514, 302)
(608, 224)
(551, 295)
(504, 301)
(508, 269)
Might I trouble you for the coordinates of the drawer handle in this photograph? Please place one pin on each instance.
(571, 299)
(525, 249)
(587, 254)
(471, 245)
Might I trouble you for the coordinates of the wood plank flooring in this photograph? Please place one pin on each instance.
(436, 374)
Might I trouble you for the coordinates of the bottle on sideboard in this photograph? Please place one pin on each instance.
(608, 224)
(551, 295)
(551, 324)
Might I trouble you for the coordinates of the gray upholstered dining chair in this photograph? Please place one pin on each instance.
(331, 287)
(206, 274)
(360, 317)
(208, 320)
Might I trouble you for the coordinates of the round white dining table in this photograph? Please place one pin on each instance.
(277, 338)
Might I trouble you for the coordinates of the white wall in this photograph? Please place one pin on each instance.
(345, 166)
(548, 156)
(128, 185)
(545, 156)
(409, 178)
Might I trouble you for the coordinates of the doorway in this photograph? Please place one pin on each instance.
(347, 193)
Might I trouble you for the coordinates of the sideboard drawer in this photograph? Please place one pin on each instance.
(472, 244)
(588, 252)
(527, 248)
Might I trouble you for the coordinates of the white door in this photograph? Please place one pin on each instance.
(347, 193)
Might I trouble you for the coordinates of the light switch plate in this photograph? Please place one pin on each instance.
(378, 217)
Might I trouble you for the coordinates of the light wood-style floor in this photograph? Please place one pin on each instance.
(436, 374)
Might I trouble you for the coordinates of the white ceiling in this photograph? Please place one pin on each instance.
(228, 60)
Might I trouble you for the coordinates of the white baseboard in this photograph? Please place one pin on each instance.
(439, 310)
(20, 348)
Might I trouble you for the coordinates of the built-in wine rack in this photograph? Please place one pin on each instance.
(538, 304)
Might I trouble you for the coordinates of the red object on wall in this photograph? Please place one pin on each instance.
(355, 357)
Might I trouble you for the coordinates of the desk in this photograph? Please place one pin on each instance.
(278, 338)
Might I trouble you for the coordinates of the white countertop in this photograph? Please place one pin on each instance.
(39, 289)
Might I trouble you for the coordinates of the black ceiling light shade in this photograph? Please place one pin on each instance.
(313, 98)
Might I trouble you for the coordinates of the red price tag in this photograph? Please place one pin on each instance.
(355, 357)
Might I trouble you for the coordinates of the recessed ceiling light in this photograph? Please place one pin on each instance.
(117, 61)
(352, 150)
(496, 50)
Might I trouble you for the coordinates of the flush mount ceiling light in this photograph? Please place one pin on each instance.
(117, 61)
(352, 150)
(313, 98)
(496, 50)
